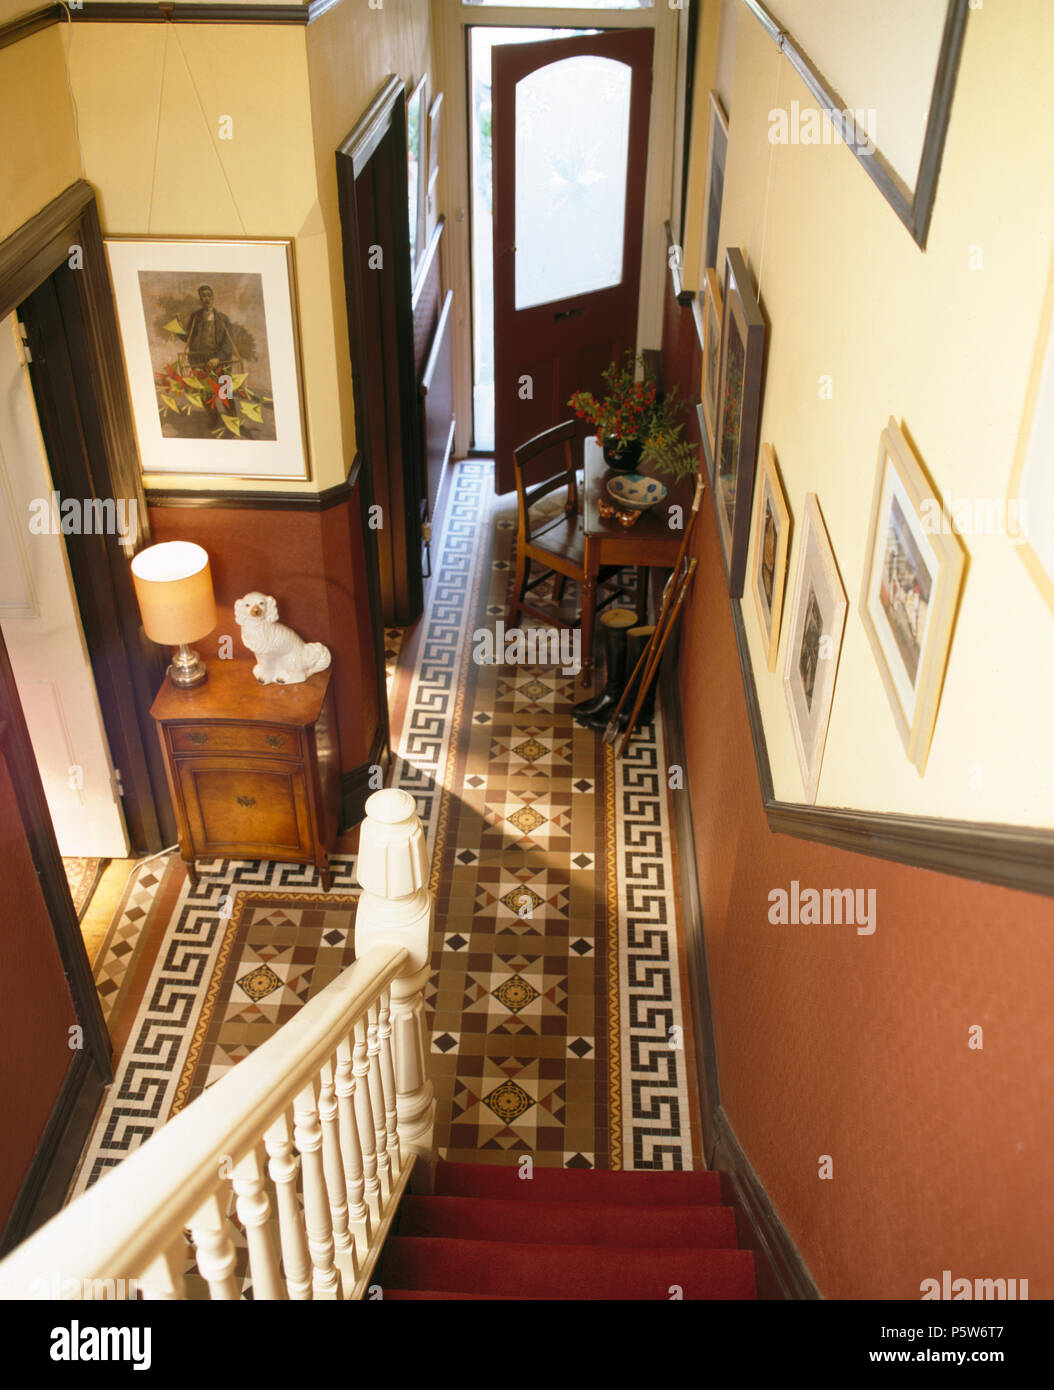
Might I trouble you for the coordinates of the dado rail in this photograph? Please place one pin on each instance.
(334, 1110)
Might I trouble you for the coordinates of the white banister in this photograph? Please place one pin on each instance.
(339, 1098)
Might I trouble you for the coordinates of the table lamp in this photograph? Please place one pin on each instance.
(173, 584)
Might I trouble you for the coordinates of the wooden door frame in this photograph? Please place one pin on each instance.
(381, 132)
(450, 36)
(43, 1189)
(128, 670)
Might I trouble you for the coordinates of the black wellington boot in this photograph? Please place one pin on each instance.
(636, 640)
(614, 625)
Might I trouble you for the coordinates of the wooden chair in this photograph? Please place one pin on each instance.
(555, 543)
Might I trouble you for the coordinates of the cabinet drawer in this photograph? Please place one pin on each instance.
(258, 810)
(230, 737)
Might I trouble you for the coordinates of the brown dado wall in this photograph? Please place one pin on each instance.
(35, 1052)
(857, 1047)
(312, 562)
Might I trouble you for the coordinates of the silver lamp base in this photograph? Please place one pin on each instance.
(187, 669)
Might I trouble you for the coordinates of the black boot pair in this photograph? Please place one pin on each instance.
(624, 642)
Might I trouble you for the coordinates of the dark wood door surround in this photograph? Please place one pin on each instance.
(564, 345)
(371, 176)
(79, 384)
(78, 380)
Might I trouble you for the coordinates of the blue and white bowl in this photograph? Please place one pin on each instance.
(635, 491)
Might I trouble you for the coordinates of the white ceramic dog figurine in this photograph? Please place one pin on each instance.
(282, 657)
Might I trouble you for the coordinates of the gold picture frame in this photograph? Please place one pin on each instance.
(1030, 494)
(814, 644)
(771, 542)
(708, 389)
(913, 575)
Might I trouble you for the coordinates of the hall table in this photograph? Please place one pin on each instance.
(651, 542)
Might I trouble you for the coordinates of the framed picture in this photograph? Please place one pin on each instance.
(739, 405)
(713, 182)
(433, 151)
(711, 365)
(1030, 498)
(415, 171)
(211, 347)
(814, 644)
(771, 541)
(913, 574)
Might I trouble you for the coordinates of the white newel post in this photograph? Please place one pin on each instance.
(396, 909)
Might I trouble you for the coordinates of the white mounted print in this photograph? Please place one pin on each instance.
(209, 332)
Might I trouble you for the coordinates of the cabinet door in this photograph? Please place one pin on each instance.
(246, 809)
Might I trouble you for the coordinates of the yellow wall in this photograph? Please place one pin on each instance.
(945, 349)
(152, 152)
(351, 51)
(40, 156)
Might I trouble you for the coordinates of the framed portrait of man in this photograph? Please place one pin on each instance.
(211, 348)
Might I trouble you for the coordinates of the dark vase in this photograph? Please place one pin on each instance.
(624, 458)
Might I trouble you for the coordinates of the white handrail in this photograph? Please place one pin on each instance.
(130, 1224)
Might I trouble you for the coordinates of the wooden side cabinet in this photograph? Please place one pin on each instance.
(254, 770)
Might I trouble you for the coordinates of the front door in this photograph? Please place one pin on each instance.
(570, 161)
(42, 629)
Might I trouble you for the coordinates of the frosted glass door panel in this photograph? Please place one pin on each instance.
(572, 142)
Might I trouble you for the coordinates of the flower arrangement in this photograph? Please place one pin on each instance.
(634, 417)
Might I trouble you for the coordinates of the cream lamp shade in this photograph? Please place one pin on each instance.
(173, 584)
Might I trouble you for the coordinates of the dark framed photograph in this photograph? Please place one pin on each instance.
(814, 644)
(772, 525)
(211, 346)
(739, 408)
(713, 182)
(913, 575)
(711, 297)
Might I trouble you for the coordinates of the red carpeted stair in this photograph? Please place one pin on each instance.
(564, 1233)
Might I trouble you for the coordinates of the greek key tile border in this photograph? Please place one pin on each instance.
(655, 1103)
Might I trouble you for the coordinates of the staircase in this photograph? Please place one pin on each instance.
(489, 1233)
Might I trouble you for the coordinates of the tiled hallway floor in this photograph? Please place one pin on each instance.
(555, 999)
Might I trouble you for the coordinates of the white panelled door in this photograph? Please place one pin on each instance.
(42, 630)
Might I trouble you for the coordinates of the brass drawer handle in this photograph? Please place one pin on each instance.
(246, 800)
(276, 740)
(197, 738)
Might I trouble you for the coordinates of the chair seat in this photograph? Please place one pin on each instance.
(563, 539)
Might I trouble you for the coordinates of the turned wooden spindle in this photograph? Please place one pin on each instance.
(336, 1182)
(254, 1212)
(215, 1250)
(283, 1168)
(351, 1148)
(307, 1134)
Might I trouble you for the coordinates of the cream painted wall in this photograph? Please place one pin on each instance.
(715, 48)
(152, 151)
(351, 51)
(40, 146)
(945, 349)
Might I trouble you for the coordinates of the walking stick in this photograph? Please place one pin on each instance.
(652, 669)
(611, 732)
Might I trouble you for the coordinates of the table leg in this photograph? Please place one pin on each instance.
(643, 576)
(324, 873)
(589, 608)
(192, 873)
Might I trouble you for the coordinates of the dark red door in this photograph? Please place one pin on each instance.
(570, 159)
